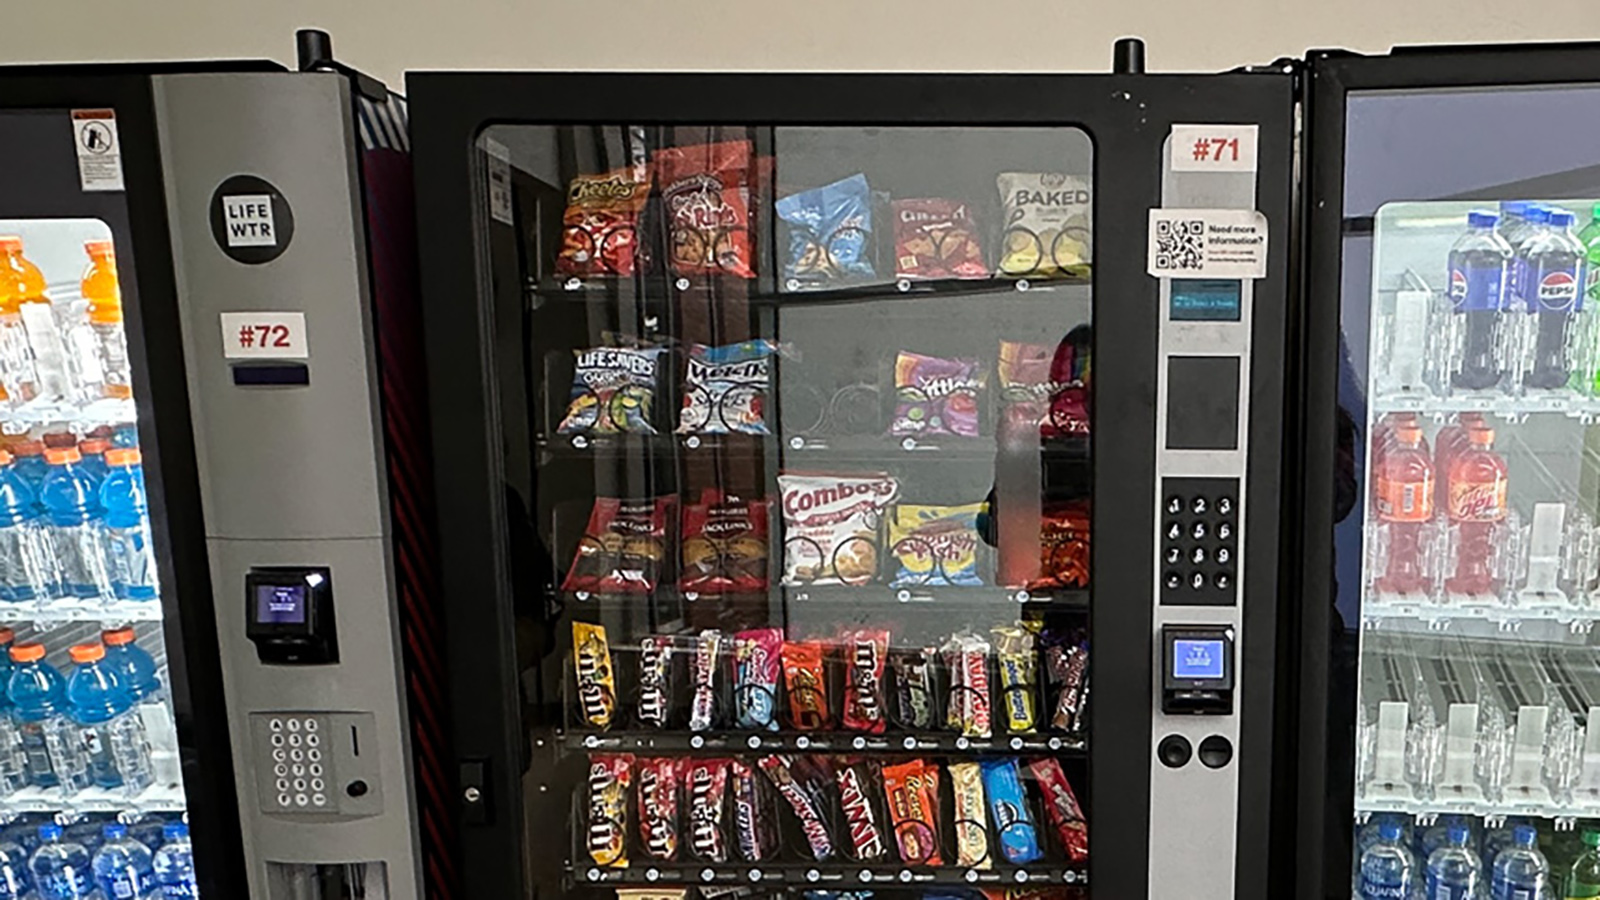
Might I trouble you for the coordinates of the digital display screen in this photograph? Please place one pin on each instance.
(1198, 660)
(1205, 300)
(281, 604)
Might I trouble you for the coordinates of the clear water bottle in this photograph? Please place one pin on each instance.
(39, 695)
(60, 867)
(175, 864)
(127, 527)
(16, 882)
(113, 734)
(1520, 871)
(1479, 262)
(1454, 871)
(28, 571)
(124, 869)
(147, 831)
(13, 758)
(72, 507)
(134, 667)
(1388, 871)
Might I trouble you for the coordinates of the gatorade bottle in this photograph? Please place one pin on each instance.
(31, 465)
(101, 289)
(175, 864)
(72, 507)
(134, 667)
(1553, 265)
(38, 316)
(113, 734)
(28, 571)
(1404, 502)
(39, 694)
(61, 868)
(1477, 503)
(126, 536)
(93, 451)
(124, 869)
(15, 880)
(13, 759)
(18, 278)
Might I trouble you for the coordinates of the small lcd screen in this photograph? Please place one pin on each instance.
(1205, 300)
(1197, 660)
(281, 604)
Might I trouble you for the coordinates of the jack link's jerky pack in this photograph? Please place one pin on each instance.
(1047, 231)
(613, 389)
(622, 547)
(596, 680)
(833, 526)
(725, 545)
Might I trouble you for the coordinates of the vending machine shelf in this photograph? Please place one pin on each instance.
(836, 875)
(158, 798)
(919, 742)
(68, 609)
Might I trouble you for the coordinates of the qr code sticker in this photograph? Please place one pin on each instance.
(1180, 245)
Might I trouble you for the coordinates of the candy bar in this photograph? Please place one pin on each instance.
(805, 679)
(1013, 817)
(1069, 669)
(656, 693)
(1014, 653)
(753, 820)
(867, 652)
(703, 705)
(912, 789)
(856, 782)
(972, 821)
(1061, 805)
(797, 779)
(659, 829)
(913, 687)
(609, 778)
(966, 655)
(756, 658)
(596, 682)
(705, 783)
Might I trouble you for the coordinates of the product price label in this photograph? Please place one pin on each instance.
(1214, 148)
(264, 335)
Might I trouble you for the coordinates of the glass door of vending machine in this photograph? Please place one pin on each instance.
(804, 447)
(1450, 682)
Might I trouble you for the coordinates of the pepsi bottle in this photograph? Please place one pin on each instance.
(1479, 261)
(1553, 263)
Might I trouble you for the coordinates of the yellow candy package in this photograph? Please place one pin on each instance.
(935, 545)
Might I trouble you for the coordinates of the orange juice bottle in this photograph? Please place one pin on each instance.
(101, 289)
(20, 280)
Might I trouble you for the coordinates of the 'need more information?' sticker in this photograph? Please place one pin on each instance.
(1207, 243)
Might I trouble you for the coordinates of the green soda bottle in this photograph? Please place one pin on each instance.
(1583, 879)
(1590, 238)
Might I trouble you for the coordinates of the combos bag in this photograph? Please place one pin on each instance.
(935, 545)
(600, 229)
(622, 549)
(725, 388)
(832, 526)
(830, 234)
(1047, 225)
(705, 191)
(613, 389)
(936, 238)
(725, 545)
(935, 395)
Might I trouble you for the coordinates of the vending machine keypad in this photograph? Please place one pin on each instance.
(295, 769)
(1199, 541)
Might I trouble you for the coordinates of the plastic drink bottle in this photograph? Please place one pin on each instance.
(1478, 264)
(147, 831)
(124, 869)
(93, 452)
(72, 507)
(175, 864)
(101, 289)
(126, 538)
(13, 759)
(16, 882)
(1438, 834)
(61, 868)
(38, 315)
(39, 695)
(29, 456)
(1387, 869)
(88, 831)
(1454, 872)
(1451, 440)
(1520, 871)
(1404, 502)
(1477, 502)
(18, 278)
(134, 668)
(27, 554)
(1583, 879)
(1552, 296)
(113, 734)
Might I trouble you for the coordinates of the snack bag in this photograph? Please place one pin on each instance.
(1070, 372)
(936, 238)
(972, 822)
(610, 776)
(1013, 815)
(725, 388)
(915, 705)
(1061, 806)
(613, 389)
(866, 656)
(832, 526)
(805, 679)
(725, 545)
(935, 396)
(935, 545)
(1067, 665)
(657, 693)
(1064, 546)
(756, 656)
(599, 230)
(755, 824)
(868, 842)
(830, 234)
(622, 548)
(659, 828)
(802, 780)
(596, 680)
(1025, 391)
(1046, 225)
(705, 786)
(705, 190)
(912, 789)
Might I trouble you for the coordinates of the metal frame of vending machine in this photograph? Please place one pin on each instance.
(1188, 386)
(271, 310)
(1357, 114)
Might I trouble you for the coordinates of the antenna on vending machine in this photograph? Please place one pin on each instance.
(314, 53)
(1127, 56)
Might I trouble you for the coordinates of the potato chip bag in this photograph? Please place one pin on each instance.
(1047, 233)
(830, 234)
(599, 230)
(936, 238)
(705, 189)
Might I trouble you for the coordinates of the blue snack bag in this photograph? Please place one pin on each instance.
(830, 230)
(1008, 806)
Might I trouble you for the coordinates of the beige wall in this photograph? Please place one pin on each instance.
(388, 38)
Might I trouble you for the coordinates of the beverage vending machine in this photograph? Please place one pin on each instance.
(1448, 677)
(208, 505)
(858, 484)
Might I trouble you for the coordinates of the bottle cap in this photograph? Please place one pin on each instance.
(1408, 433)
(60, 456)
(1481, 434)
(97, 248)
(1591, 838)
(1389, 830)
(1562, 218)
(50, 832)
(87, 653)
(60, 439)
(28, 448)
(114, 831)
(174, 830)
(32, 651)
(1509, 208)
(1537, 214)
(10, 243)
(1459, 833)
(93, 446)
(1525, 835)
(116, 637)
(7, 636)
(1482, 218)
(5, 457)
(123, 456)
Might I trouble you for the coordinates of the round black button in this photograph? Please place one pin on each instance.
(1173, 555)
(1174, 751)
(356, 788)
(1223, 581)
(1216, 751)
(1174, 581)
(1225, 505)
(1174, 505)
(1198, 531)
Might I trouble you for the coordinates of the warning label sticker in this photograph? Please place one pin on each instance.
(94, 131)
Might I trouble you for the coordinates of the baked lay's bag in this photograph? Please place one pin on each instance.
(1047, 225)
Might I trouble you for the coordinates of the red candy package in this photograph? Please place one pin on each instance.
(610, 776)
(622, 549)
(599, 231)
(725, 545)
(1064, 546)
(705, 189)
(912, 789)
(705, 783)
(659, 830)
(806, 680)
(865, 704)
(1061, 805)
(936, 238)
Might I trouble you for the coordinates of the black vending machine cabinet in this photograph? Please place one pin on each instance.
(858, 482)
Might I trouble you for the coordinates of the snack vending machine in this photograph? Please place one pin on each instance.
(1449, 673)
(858, 484)
(202, 690)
